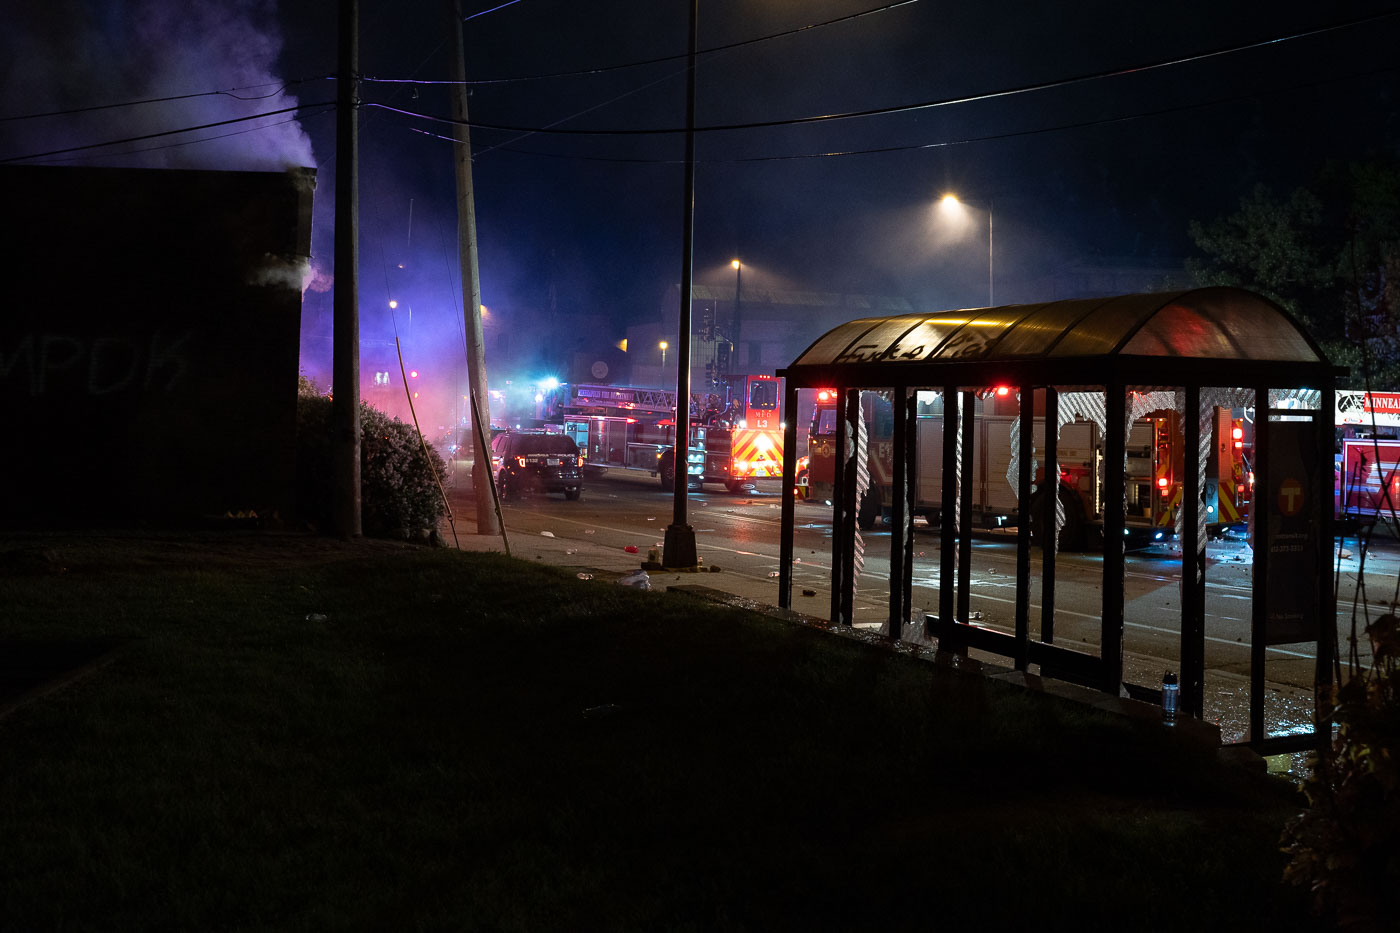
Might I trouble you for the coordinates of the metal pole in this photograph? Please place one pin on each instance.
(345, 367)
(948, 514)
(840, 538)
(1327, 647)
(965, 474)
(1050, 495)
(1193, 553)
(847, 491)
(901, 528)
(487, 519)
(1114, 514)
(1023, 527)
(1259, 513)
(734, 335)
(991, 298)
(789, 509)
(679, 548)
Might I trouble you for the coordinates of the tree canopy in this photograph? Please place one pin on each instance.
(1328, 253)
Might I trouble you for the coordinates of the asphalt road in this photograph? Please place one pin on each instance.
(739, 536)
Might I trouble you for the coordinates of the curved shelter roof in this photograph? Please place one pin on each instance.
(1174, 338)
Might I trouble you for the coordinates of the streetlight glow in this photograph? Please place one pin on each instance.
(734, 263)
(950, 201)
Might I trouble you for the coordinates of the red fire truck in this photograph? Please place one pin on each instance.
(1153, 481)
(1367, 479)
(741, 430)
(736, 434)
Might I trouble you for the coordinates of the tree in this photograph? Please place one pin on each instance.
(1329, 254)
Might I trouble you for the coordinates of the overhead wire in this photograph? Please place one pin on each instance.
(190, 142)
(898, 108)
(911, 147)
(164, 133)
(472, 16)
(281, 86)
(683, 56)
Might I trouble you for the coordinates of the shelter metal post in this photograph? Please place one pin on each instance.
(1023, 527)
(1327, 647)
(789, 509)
(1259, 512)
(901, 512)
(965, 480)
(851, 462)
(1115, 517)
(840, 535)
(948, 514)
(1193, 565)
(1050, 492)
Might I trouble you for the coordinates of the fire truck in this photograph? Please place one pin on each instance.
(736, 432)
(1153, 481)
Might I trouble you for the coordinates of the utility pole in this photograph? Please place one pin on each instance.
(486, 522)
(345, 365)
(680, 537)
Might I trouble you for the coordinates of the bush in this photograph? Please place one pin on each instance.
(1346, 847)
(399, 493)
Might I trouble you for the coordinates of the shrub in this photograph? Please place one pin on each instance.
(1346, 846)
(399, 493)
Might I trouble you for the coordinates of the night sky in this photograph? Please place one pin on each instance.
(1109, 168)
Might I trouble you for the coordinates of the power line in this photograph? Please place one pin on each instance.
(162, 100)
(901, 108)
(192, 142)
(187, 129)
(912, 147)
(472, 16)
(604, 69)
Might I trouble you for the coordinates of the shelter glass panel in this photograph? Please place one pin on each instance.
(1221, 330)
(1101, 331)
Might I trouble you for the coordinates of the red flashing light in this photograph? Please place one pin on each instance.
(1237, 434)
(825, 395)
(1003, 391)
(1162, 482)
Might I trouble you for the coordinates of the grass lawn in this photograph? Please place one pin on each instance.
(301, 733)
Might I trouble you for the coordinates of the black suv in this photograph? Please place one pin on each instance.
(528, 462)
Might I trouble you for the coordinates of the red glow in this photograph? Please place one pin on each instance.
(1162, 482)
(1237, 434)
(1003, 391)
(824, 395)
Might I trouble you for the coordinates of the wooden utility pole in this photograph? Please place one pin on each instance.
(345, 365)
(486, 522)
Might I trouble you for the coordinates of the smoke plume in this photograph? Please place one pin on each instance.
(63, 55)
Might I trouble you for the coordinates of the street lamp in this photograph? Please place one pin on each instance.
(951, 201)
(738, 272)
(663, 345)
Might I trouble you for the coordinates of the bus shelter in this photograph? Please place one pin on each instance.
(1110, 358)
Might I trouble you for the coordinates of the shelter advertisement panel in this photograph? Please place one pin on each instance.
(1293, 511)
(1365, 408)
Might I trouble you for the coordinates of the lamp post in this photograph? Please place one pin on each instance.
(734, 328)
(952, 200)
(679, 547)
(663, 345)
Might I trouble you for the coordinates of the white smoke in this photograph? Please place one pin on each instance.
(63, 55)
